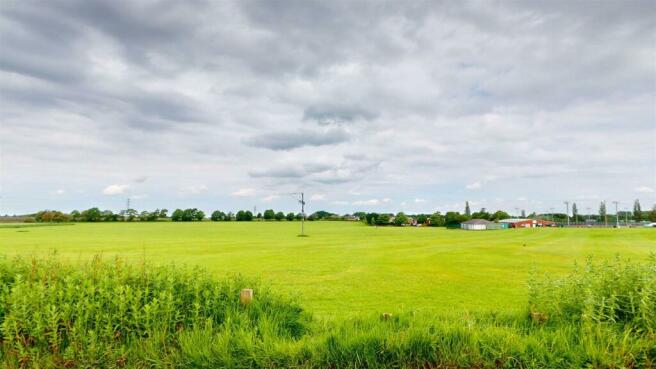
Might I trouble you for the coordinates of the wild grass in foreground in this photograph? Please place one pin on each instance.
(113, 315)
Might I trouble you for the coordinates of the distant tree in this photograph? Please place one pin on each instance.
(523, 213)
(199, 215)
(652, 214)
(322, 214)
(602, 211)
(360, 214)
(91, 215)
(299, 216)
(217, 216)
(383, 219)
(259, 216)
(51, 216)
(290, 216)
(436, 220)
(75, 215)
(371, 218)
(482, 214)
(230, 216)
(467, 210)
(400, 219)
(637, 212)
(280, 216)
(499, 215)
(422, 218)
(163, 213)
(177, 214)
(130, 215)
(575, 213)
(269, 214)
(244, 216)
(452, 219)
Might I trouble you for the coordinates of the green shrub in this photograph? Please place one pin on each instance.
(612, 292)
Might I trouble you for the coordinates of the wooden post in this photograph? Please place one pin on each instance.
(246, 296)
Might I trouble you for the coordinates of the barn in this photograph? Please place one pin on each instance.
(476, 225)
(527, 223)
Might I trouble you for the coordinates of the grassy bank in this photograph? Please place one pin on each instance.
(112, 314)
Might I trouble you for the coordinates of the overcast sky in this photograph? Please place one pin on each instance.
(373, 106)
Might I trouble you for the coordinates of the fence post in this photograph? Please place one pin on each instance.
(246, 296)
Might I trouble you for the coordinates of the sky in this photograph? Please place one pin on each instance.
(362, 105)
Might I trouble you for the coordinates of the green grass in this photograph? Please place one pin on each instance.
(347, 269)
(112, 314)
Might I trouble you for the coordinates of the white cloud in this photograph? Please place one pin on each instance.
(115, 189)
(268, 198)
(420, 201)
(318, 197)
(371, 202)
(60, 192)
(193, 189)
(473, 186)
(644, 189)
(244, 192)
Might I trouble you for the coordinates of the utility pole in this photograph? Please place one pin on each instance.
(567, 212)
(617, 218)
(588, 214)
(605, 215)
(302, 201)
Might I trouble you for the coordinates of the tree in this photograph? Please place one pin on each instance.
(523, 213)
(360, 214)
(422, 218)
(177, 215)
(452, 219)
(230, 216)
(130, 215)
(299, 216)
(482, 214)
(436, 220)
(637, 212)
(499, 215)
(371, 218)
(217, 216)
(75, 215)
(244, 216)
(401, 219)
(383, 219)
(602, 211)
(290, 216)
(652, 214)
(467, 210)
(269, 214)
(91, 215)
(199, 215)
(162, 213)
(575, 213)
(280, 216)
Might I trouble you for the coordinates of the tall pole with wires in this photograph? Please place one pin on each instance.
(567, 211)
(302, 202)
(617, 217)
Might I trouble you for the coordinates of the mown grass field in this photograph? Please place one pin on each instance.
(345, 269)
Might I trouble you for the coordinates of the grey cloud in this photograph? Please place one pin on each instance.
(442, 94)
(332, 113)
(288, 140)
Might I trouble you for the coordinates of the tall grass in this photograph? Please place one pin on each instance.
(114, 315)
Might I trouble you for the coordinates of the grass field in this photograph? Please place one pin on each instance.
(348, 269)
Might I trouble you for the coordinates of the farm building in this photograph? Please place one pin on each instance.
(527, 223)
(476, 225)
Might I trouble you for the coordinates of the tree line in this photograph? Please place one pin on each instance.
(437, 219)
